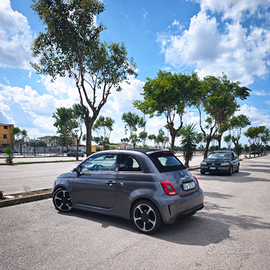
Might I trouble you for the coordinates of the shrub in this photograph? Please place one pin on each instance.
(9, 155)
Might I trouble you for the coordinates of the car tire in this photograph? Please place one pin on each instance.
(202, 172)
(146, 217)
(62, 200)
(230, 172)
(237, 170)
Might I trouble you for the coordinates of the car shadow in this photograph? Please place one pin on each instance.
(241, 177)
(187, 231)
(211, 225)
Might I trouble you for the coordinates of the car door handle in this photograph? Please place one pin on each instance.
(110, 183)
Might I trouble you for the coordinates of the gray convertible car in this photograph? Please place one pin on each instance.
(148, 187)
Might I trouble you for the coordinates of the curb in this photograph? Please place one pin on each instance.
(31, 198)
(37, 162)
(193, 168)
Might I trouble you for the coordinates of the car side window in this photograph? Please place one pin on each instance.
(128, 163)
(103, 162)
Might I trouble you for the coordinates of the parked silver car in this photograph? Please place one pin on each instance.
(149, 187)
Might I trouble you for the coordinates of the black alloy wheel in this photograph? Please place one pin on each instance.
(62, 200)
(146, 217)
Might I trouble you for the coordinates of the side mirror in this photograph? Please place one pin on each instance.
(78, 170)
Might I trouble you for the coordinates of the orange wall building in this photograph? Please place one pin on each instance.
(6, 138)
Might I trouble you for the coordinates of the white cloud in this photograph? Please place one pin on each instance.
(156, 122)
(191, 118)
(16, 38)
(122, 101)
(26, 108)
(239, 52)
(261, 93)
(236, 10)
(61, 87)
(6, 80)
(255, 116)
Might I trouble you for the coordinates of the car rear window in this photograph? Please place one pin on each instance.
(166, 162)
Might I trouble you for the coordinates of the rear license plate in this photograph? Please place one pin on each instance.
(190, 185)
(212, 168)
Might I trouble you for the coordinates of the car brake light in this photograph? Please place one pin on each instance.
(196, 181)
(168, 188)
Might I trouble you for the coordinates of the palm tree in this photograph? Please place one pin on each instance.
(188, 142)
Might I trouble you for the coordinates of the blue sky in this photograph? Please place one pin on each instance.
(206, 36)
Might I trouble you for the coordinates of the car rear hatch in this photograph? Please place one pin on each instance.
(177, 179)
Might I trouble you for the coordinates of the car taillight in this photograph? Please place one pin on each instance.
(196, 181)
(168, 188)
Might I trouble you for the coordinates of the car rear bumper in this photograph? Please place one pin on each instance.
(178, 207)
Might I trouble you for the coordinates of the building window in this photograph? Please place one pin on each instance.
(4, 136)
(5, 127)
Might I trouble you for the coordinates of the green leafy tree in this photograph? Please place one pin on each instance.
(265, 139)
(125, 140)
(200, 140)
(218, 99)
(64, 124)
(246, 148)
(97, 140)
(165, 141)
(78, 119)
(68, 124)
(39, 144)
(238, 149)
(188, 142)
(237, 123)
(20, 135)
(251, 135)
(255, 136)
(168, 94)
(228, 140)
(106, 125)
(160, 137)
(132, 123)
(70, 46)
(153, 137)
(134, 139)
(143, 137)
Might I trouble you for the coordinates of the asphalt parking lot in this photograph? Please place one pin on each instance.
(231, 232)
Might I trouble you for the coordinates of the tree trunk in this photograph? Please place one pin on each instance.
(89, 126)
(219, 141)
(77, 154)
(88, 139)
(207, 147)
(172, 142)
